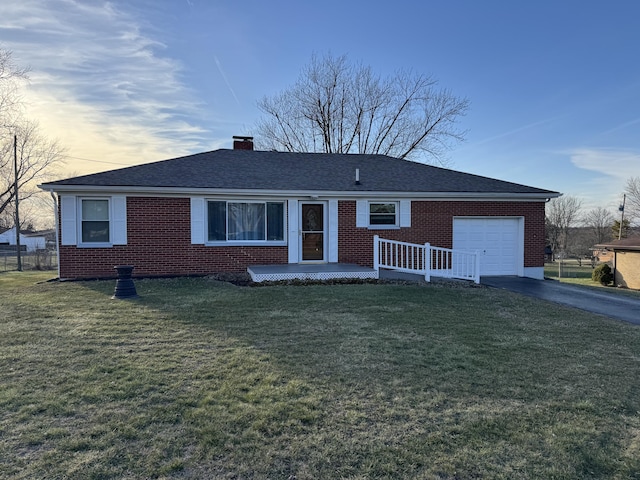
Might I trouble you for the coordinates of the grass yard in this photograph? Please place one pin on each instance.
(571, 272)
(203, 379)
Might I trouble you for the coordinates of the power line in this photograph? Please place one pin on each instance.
(98, 161)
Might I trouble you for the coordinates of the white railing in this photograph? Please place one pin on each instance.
(425, 260)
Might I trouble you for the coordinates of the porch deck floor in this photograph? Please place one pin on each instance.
(309, 271)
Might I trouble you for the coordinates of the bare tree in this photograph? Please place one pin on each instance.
(36, 158)
(11, 77)
(562, 213)
(632, 207)
(599, 221)
(36, 155)
(338, 107)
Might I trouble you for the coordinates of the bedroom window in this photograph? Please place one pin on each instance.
(94, 221)
(385, 214)
(230, 221)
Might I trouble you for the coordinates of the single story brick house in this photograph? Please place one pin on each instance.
(225, 210)
(625, 261)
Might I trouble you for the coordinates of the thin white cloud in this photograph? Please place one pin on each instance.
(620, 164)
(99, 83)
(226, 81)
(612, 168)
(622, 126)
(514, 131)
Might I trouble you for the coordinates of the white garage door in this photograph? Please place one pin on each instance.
(497, 239)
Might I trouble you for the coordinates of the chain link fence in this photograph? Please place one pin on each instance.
(44, 259)
(570, 268)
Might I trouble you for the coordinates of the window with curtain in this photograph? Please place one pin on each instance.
(230, 221)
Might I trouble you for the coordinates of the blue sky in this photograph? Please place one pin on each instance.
(554, 86)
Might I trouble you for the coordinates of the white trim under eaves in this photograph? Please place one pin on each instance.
(320, 195)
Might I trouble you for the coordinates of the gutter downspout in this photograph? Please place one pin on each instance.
(55, 214)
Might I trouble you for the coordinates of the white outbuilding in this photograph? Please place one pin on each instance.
(31, 242)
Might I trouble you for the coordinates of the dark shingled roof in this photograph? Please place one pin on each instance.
(282, 171)
(629, 243)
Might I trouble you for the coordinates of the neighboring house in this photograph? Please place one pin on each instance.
(225, 210)
(49, 237)
(626, 261)
(29, 241)
(602, 255)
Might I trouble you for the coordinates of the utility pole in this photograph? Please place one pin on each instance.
(15, 186)
(621, 208)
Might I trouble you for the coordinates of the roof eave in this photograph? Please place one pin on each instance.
(176, 191)
(618, 248)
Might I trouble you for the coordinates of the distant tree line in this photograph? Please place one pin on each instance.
(572, 232)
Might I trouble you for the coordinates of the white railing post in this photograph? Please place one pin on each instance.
(427, 262)
(376, 254)
(425, 259)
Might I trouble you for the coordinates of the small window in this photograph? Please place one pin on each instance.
(245, 221)
(95, 221)
(383, 214)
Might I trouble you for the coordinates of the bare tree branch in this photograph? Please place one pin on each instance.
(339, 107)
(11, 77)
(561, 214)
(632, 208)
(599, 220)
(36, 155)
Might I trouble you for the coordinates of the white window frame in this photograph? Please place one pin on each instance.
(84, 244)
(403, 214)
(375, 226)
(228, 242)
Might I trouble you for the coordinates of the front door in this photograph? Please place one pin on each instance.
(312, 229)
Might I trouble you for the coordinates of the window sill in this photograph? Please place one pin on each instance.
(247, 243)
(94, 245)
(383, 227)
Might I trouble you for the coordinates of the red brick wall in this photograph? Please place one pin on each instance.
(159, 243)
(159, 239)
(433, 222)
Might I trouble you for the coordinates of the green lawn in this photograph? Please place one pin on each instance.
(571, 272)
(203, 379)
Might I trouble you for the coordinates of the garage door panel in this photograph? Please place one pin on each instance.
(496, 238)
(493, 236)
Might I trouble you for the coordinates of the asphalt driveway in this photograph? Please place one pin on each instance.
(620, 307)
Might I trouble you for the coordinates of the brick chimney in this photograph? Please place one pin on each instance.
(242, 143)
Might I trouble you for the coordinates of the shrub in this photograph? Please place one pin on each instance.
(602, 274)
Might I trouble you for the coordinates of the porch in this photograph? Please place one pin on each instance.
(390, 260)
(309, 271)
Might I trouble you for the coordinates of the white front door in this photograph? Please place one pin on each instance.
(313, 238)
(498, 239)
